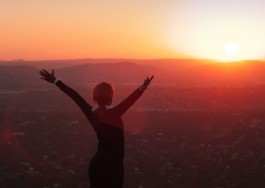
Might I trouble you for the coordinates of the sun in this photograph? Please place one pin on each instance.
(231, 53)
(231, 49)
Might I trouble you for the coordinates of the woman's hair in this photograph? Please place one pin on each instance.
(103, 93)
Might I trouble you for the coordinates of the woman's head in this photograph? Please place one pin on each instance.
(103, 93)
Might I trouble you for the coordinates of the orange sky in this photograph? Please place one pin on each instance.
(59, 29)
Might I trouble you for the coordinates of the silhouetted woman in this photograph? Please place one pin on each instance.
(106, 168)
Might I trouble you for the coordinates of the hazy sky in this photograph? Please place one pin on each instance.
(56, 29)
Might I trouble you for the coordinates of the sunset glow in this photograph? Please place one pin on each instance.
(231, 49)
(58, 29)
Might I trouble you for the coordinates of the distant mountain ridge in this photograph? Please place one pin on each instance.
(73, 62)
(18, 76)
(181, 73)
(122, 72)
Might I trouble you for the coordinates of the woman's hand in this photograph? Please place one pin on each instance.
(49, 77)
(146, 83)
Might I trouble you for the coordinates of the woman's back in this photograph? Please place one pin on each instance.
(110, 133)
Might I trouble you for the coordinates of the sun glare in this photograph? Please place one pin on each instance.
(231, 49)
(231, 53)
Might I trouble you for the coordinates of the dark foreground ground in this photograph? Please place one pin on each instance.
(186, 138)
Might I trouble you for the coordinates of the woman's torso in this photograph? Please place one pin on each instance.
(109, 128)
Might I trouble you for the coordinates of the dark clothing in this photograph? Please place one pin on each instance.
(106, 172)
(106, 168)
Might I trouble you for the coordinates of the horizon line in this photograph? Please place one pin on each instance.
(123, 59)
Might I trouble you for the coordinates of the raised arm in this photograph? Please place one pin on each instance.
(85, 107)
(121, 108)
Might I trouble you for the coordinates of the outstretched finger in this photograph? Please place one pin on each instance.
(148, 82)
(43, 74)
(150, 79)
(52, 71)
(45, 71)
(43, 78)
